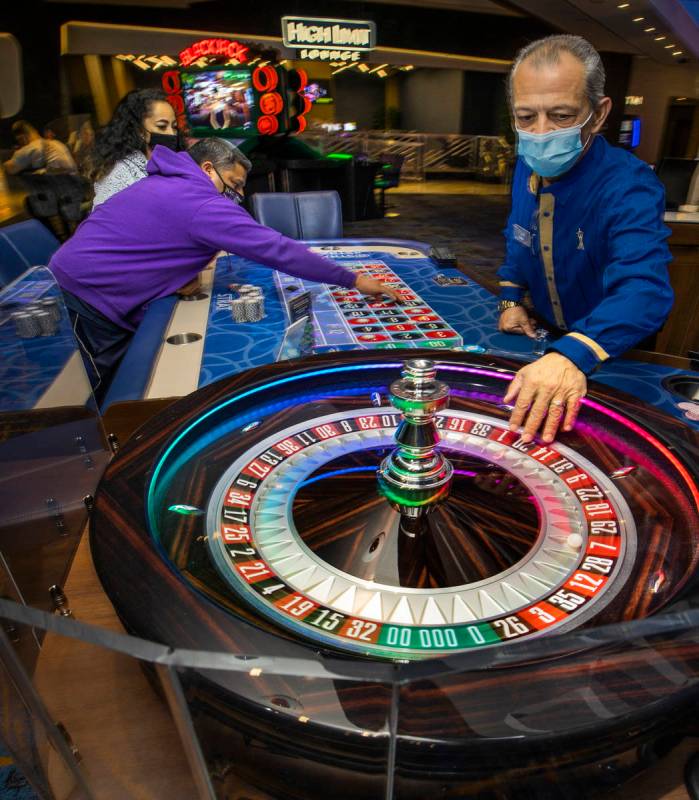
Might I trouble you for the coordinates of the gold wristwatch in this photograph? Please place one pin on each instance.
(503, 305)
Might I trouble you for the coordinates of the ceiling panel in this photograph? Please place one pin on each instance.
(469, 6)
(635, 28)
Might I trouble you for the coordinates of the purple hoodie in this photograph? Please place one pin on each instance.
(153, 237)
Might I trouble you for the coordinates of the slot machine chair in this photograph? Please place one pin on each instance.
(300, 215)
(388, 178)
(57, 200)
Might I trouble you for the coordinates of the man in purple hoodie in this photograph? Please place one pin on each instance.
(155, 236)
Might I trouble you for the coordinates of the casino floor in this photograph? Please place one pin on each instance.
(105, 701)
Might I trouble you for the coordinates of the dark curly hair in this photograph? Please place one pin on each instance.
(123, 134)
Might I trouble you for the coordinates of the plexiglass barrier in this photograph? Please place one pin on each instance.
(574, 715)
(52, 454)
(52, 446)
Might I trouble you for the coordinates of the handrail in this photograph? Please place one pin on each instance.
(467, 154)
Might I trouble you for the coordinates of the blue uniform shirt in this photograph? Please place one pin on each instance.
(591, 249)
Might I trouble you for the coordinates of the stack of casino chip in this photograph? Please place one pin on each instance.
(238, 309)
(26, 324)
(37, 319)
(250, 305)
(51, 305)
(46, 323)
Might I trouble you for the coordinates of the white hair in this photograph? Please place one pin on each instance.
(548, 50)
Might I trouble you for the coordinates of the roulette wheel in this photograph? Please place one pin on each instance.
(376, 516)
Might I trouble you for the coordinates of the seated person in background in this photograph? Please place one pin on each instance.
(122, 148)
(157, 235)
(82, 143)
(585, 234)
(36, 154)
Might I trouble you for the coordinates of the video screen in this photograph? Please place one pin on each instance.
(219, 99)
(318, 91)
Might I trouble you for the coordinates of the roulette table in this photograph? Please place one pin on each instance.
(344, 319)
(177, 351)
(495, 618)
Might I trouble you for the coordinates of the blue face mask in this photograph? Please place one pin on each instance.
(552, 154)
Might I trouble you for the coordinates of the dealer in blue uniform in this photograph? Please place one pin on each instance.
(585, 236)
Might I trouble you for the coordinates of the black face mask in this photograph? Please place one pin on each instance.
(230, 193)
(169, 140)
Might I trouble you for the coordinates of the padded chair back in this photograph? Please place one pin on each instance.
(277, 210)
(300, 215)
(41, 198)
(24, 245)
(12, 263)
(320, 215)
(70, 193)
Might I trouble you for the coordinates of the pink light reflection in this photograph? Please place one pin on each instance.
(632, 426)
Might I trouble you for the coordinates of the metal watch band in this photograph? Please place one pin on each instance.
(505, 304)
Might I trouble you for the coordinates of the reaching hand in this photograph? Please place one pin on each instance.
(372, 286)
(189, 288)
(545, 389)
(517, 320)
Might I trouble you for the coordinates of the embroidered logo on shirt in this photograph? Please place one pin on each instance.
(522, 235)
(581, 243)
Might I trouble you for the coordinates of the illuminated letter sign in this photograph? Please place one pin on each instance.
(223, 49)
(329, 34)
(172, 87)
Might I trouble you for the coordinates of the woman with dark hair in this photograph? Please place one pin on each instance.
(142, 119)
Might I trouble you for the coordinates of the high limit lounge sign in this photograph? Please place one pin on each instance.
(329, 39)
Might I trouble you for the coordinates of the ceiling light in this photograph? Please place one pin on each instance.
(649, 30)
(623, 5)
(680, 99)
(678, 52)
(670, 46)
(638, 19)
(660, 38)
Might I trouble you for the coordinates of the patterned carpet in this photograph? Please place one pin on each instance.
(471, 225)
(13, 786)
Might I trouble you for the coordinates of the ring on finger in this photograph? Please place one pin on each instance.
(557, 402)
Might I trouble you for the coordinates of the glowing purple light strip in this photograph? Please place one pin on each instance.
(643, 433)
(632, 426)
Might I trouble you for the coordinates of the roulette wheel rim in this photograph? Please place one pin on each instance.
(154, 443)
(217, 547)
(293, 371)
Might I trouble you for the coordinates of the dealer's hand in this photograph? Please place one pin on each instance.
(546, 389)
(370, 286)
(517, 320)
